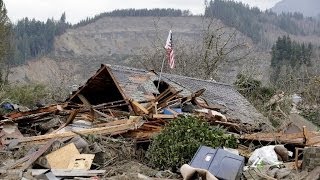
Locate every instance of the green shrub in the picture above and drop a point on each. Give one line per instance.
(26, 95)
(179, 141)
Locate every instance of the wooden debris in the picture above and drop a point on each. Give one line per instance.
(69, 120)
(294, 138)
(84, 100)
(304, 138)
(81, 161)
(138, 108)
(76, 173)
(61, 158)
(109, 129)
(20, 116)
(163, 116)
(37, 172)
(18, 162)
(36, 155)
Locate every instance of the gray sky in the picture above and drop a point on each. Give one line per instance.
(80, 9)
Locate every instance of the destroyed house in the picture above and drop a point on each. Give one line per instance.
(119, 84)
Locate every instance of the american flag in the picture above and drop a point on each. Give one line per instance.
(169, 48)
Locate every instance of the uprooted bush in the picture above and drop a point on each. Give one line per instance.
(179, 141)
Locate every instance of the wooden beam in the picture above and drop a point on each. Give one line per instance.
(24, 115)
(84, 100)
(294, 138)
(135, 104)
(76, 173)
(71, 117)
(19, 161)
(128, 125)
(39, 153)
(163, 116)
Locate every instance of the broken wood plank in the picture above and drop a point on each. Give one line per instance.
(16, 116)
(118, 122)
(61, 158)
(293, 138)
(31, 116)
(164, 102)
(163, 116)
(126, 126)
(114, 103)
(103, 114)
(138, 107)
(87, 104)
(76, 172)
(37, 172)
(41, 150)
(71, 117)
(19, 161)
(84, 100)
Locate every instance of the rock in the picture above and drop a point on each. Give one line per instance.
(282, 173)
(282, 152)
(314, 174)
(80, 143)
(272, 172)
(188, 108)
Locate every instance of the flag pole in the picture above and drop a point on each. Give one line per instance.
(168, 48)
(164, 58)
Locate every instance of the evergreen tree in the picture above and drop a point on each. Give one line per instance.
(5, 42)
(4, 30)
(286, 52)
(34, 38)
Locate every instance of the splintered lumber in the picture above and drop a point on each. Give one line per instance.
(312, 138)
(164, 102)
(84, 100)
(39, 153)
(69, 120)
(306, 138)
(119, 122)
(294, 138)
(87, 104)
(193, 96)
(108, 129)
(18, 116)
(76, 173)
(146, 131)
(163, 116)
(103, 114)
(111, 104)
(138, 107)
(164, 98)
(18, 162)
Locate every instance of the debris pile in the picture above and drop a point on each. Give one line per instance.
(84, 135)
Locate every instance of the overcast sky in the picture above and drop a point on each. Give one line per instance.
(80, 9)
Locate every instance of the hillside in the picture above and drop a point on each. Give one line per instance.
(138, 41)
(309, 8)
(118, 40)
(125, 35)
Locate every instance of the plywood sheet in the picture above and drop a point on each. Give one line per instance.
(81, 161)
(60, 158)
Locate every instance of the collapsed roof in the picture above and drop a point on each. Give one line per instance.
(116, 83)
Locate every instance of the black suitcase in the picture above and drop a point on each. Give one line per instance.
(221, 163)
